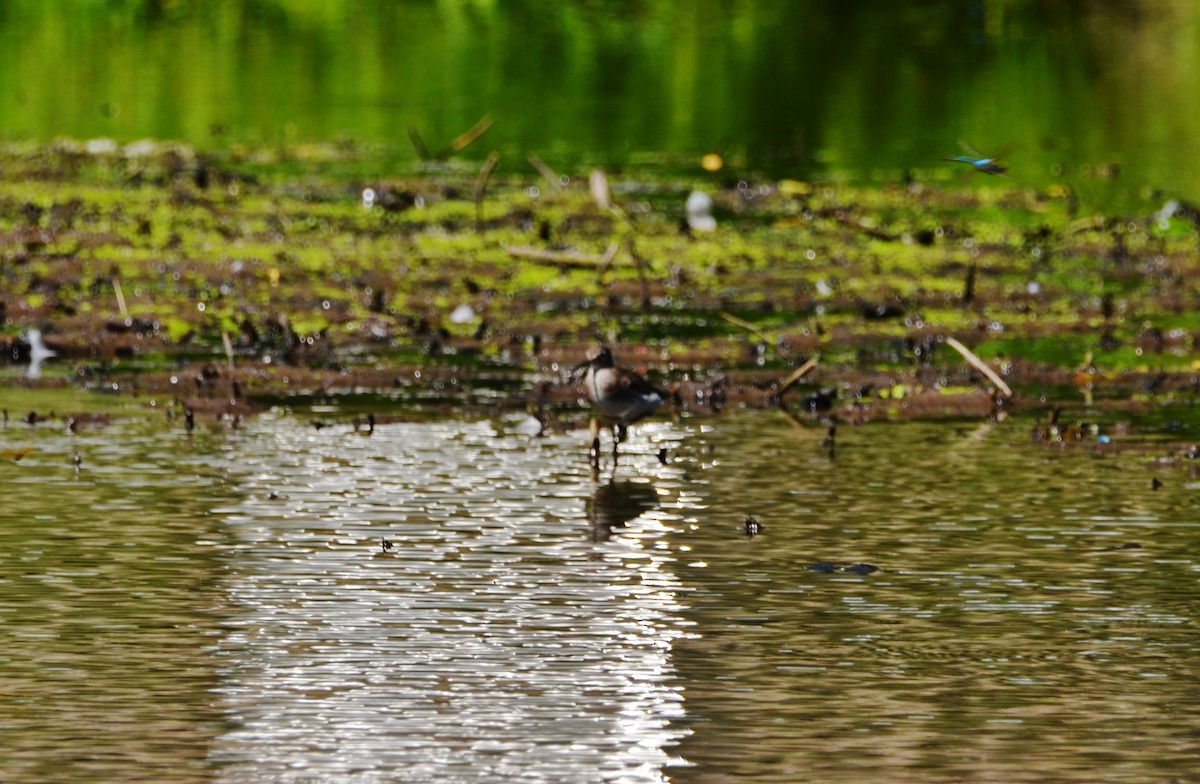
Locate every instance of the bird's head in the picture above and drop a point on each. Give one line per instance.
(598, 356)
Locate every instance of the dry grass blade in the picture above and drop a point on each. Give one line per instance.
(471, 135)
(481, 184)
(228, 347)
(600, 191)
(548, 174)
(418, 144)
(120, 297)
(640, 265)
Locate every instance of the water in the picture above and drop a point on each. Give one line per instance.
(221, 608)
(1099, 96)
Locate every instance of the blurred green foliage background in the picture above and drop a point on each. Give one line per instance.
(807, 88)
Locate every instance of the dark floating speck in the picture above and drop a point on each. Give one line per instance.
(753, 527)
(828, 568)
(386, 544)
(1155, 483)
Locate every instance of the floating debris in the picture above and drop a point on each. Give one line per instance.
(753, 527)
(463, 314)
(699, 212)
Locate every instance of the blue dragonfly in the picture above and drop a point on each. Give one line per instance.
(980, 162)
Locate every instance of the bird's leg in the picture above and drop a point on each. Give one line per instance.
(594, 451)
(617, 434)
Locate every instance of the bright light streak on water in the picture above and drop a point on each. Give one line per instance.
(496, 641)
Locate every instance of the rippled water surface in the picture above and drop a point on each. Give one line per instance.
(222, 607)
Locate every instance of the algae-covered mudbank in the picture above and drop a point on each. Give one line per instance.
(226, 281)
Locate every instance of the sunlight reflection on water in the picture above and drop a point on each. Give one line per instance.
(496, 640)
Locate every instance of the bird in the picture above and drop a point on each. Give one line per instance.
(980, 162)
(38, 353)
(619, 396)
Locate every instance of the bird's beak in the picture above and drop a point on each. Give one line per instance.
(578, 371)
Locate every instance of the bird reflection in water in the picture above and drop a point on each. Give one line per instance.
(615, 503)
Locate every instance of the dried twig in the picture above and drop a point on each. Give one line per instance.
(798, 374)
(732, 319)
(120, 297)
(979, 365)
(565, 258)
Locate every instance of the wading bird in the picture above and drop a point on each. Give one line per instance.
(619, 397)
